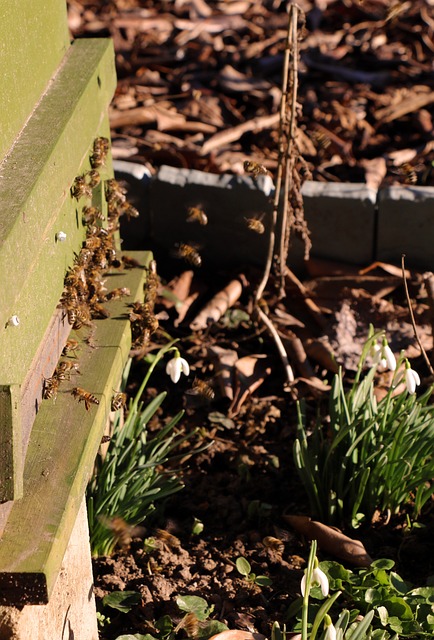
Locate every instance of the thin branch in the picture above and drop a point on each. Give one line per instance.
(281, 349)
(428, 363)
(280, 164)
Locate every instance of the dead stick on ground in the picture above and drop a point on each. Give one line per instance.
(428, 363)
(281, 349)
(428, 280)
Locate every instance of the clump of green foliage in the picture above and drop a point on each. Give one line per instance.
(369, 455)
(133, 474)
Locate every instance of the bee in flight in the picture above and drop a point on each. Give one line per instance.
(197, 214)
(189, 254)
(167, 539)
(255, 168)
(409, 172)
(84, 396)
(255, 225)
(122, 532)
(201, 388)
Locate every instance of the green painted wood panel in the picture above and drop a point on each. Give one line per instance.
(38, 529)
(37, 176)
(34, 38)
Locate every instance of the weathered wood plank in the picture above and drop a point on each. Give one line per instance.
(62, 449)
(36, 177)
(34, 39)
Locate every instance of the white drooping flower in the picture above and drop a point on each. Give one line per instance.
(412, 379)
(383, 355)
(330, 630)
(319, 578)
(176, 366)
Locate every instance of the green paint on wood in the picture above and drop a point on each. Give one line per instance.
(61, 454)
(33, 41)
(37, 176)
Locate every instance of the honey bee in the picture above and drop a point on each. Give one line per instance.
(80, 188)
(119, 401)
(93, 243)
(130, 263)
(114, 193)
(167, 539)
(189, 254)
(82, 317)
(275, 544)
(71, 346)
(100, 150)
(65, 368)
(93, 178)
(116, 294)
(255, 168)
(201, 388)
(51, 386)
(98, 311)
(84, 396)
(255, 225)
(196, 214)
(190, 624)
(91, 215)
(409, 172)
(129, 211)
(123, 533)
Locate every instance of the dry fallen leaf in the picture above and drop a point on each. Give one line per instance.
(250, 372)
(237, 634)
(331, 540)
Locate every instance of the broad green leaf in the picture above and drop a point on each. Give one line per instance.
(211, 628)
(196, 605)
(136, 636)
(263, 581)
(122, 600)
(164, 626)
(383, 563)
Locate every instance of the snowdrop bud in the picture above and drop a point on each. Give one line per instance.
(330, 630)
(383, 355)
(176, 366)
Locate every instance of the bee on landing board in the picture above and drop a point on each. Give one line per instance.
(51, 386)
(84, 396)
(80, 188)
(119, 401)
(255, 168)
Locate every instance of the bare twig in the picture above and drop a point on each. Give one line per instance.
(428, 363)
(281, 349)
(280, 166)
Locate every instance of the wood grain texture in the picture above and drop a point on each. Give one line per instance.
(61, 453)
(34, 39)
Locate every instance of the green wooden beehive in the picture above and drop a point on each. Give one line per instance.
(54, 103)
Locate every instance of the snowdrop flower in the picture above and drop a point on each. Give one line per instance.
(412, 379)
(383, 355)
(176, 366)
(330, 630)
(318, 577)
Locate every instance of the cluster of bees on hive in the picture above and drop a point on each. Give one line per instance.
(196, 214)
(84, 296)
